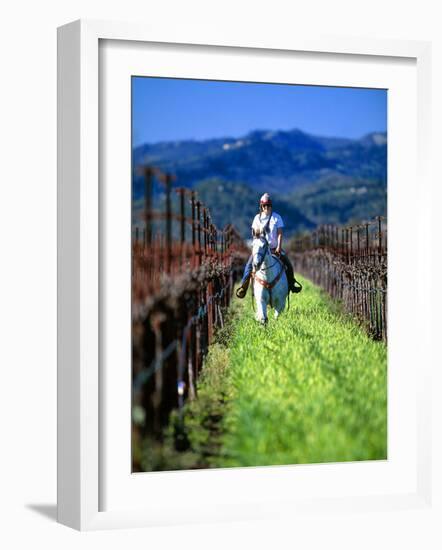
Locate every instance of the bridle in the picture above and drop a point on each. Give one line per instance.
(262, 254)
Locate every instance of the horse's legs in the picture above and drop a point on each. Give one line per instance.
(261, 306)
(280, 298)
(279, 308)
(261, 311)
(264, 313)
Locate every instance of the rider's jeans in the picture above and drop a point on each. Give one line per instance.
(247, 270)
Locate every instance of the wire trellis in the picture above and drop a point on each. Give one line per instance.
(350, 263)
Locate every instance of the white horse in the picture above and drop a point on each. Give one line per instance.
(270, 285)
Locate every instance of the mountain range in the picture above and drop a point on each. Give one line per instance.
(313, 179)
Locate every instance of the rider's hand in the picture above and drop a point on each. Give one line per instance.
(278, 251)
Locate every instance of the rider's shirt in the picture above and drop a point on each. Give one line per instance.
(275, 223)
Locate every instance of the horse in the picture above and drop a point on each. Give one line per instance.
(270, 285)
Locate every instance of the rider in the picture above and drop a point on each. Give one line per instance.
(270, 223)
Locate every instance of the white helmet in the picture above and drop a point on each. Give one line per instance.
(265, 199)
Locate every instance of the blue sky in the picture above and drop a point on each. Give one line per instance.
(166, 109)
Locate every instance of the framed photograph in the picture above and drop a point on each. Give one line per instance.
(233, 326)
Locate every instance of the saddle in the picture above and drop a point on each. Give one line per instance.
(297, 287)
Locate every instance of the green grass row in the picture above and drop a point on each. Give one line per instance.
(310, 387)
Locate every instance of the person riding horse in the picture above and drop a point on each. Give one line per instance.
(269, 224)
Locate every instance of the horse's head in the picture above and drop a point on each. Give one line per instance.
(260, 247)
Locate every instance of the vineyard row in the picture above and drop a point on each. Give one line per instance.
(182, 283)
(350, 263)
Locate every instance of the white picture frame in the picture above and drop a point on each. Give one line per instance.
(80, 442)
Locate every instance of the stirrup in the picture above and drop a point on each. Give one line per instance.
(241, 292)
(297, 287)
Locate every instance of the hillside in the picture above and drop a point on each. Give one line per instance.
(313, 179)
(232, 203)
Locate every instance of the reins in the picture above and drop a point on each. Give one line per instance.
(266, 284)
(266, 268)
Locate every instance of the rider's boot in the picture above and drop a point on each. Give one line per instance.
(290, 274)
(242, 290)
